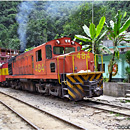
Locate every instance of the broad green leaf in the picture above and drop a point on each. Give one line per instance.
(83, 38)
(111, 35)
(125, 44)
(86, 30)
(118, 21)
(115, 29)
(80, 43)
(124, 14)
(105, 49)
(100, 26)
(127, 34)
(102, 36)
(89, 50)
(92, 30)
(125, 25)
(126, 39)
(86, 46)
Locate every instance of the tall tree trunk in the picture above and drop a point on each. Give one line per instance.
(111, 68)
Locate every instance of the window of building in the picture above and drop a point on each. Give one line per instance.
(2, 50)
(58, 50)
(69, 49)
(122, 49)
(48, 52)
(2, 58)
(39, 55)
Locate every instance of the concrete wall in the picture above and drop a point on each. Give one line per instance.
(115, 89)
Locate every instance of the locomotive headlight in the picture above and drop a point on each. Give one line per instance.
(72, 43)
(66, 41)
(58, 42)
(69, 41)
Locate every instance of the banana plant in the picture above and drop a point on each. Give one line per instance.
(93, 38)
(117, 33)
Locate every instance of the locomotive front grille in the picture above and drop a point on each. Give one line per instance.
(84, 84)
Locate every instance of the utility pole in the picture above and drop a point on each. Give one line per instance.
(92, 22)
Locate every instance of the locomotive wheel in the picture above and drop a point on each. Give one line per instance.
(42, 89)
(23, 86)
(19, 86)
(54, 90)
(12, 83)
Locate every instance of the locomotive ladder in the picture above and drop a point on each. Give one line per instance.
(64, 86)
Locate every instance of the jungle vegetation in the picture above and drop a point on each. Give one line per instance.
(52, 19)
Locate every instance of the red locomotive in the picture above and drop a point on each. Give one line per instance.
(57, 67)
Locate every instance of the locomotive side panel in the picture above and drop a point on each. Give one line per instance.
(51, 68)
(22, 64)
(39, 60)
(79, 61)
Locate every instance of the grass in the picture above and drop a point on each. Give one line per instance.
(117, 115)
(127, 101)
(111, 112)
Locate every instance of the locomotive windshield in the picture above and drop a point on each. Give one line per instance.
(61, 50)
(58, 50)
(69, 49)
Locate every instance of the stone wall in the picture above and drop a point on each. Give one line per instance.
(115, 89)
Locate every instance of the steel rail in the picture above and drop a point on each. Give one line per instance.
(27, 121)
(104, 109)
(48, 113)
(100, 102)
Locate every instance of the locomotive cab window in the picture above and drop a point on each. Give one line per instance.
(39, 55)
(48, 52)
(78, 48)
(58, 50)
(69, 49)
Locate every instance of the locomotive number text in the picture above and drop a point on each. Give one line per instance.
(39, 68)
(82, 55)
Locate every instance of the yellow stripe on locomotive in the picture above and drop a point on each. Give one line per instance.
(84, 85)
(4, 71)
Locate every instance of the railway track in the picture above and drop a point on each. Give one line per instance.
(36, 117)
(23, 118)
(125, 111)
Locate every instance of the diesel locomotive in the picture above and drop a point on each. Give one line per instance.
(58, 67)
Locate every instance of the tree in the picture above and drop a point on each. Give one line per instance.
(94, 36)
(117, 34)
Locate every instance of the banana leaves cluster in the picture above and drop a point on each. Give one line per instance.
(115, 30)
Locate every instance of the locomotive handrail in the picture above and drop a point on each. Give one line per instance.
(101, 60)
(58, 70)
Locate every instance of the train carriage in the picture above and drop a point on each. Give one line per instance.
(58, 67)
